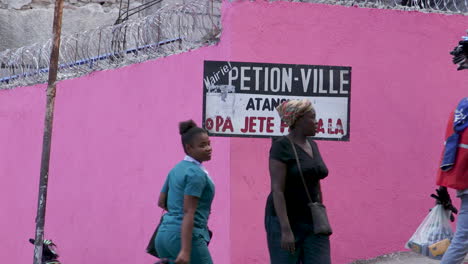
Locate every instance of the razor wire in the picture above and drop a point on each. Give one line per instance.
(171, 29)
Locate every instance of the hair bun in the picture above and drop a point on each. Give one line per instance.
(185, 126)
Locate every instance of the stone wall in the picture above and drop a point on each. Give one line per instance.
(24, 22)
(31, 4)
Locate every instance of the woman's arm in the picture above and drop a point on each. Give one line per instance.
(162, 201)
(190, 206)
(278, 183)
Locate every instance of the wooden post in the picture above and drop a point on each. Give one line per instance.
(46, 143)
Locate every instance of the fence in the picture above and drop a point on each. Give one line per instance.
(171, 29)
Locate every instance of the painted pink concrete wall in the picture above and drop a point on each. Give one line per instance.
(403, 87)
(115, 137)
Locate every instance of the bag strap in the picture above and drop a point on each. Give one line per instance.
(319, 195)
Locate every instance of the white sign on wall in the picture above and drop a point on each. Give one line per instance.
(240, 97)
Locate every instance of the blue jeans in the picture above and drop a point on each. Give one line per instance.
(310, 248)
(459, 247)
(168, 245)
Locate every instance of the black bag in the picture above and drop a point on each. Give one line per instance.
(321, 225)
(151, 249)
(320, 219)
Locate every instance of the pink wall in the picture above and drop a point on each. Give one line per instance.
(115, 137)
(403, 87)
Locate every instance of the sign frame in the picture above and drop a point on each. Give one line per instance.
(345, 138)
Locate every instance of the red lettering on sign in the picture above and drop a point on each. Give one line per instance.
(339, 127)
(219, 123)
(252, 124)
(262, 120)
(209, 123)
(270, 124)
(260, 124)
(330, 127)
(320, 128)
(246, 125)
(228, 125)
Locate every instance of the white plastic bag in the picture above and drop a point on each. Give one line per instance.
(433, 236)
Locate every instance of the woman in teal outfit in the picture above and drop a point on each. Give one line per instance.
(187, 195)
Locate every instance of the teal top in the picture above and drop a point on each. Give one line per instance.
(188, 178)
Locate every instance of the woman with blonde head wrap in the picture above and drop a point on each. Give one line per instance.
(288, 221)
(290, 111)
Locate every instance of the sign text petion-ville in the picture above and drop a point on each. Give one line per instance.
(240, 97)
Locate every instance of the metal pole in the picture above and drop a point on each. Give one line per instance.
(46, 143)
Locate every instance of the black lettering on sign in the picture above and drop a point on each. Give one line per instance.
(280, 79)
(264, 104)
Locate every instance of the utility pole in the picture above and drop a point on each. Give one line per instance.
(46, 143)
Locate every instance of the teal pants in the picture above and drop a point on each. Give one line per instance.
(168, 245)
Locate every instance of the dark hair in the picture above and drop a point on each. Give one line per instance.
(188, 130)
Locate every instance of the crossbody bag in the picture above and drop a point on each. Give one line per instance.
(321, 225)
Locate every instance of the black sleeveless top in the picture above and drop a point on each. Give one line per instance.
(313, 169)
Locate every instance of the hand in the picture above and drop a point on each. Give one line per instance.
(443, 198)
(183, 257)
(287, 241)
